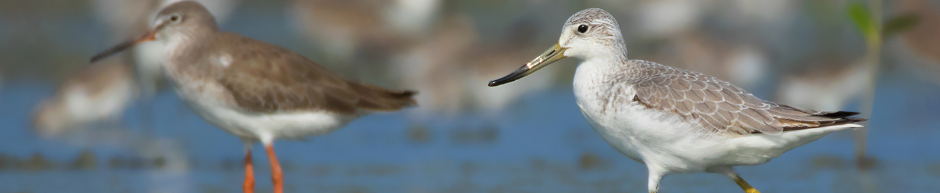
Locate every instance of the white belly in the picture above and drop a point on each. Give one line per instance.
(270, 126)
(649, 137)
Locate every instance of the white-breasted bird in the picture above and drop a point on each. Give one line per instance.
(674, 120)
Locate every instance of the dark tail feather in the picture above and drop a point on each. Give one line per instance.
(836, 115)
(404, 98)
(835, 118)
(842, 117)
(374, 98)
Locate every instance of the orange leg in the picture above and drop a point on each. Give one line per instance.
(276, 174)
(249, 185)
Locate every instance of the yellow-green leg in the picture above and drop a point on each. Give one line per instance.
(656, 173)
(744, 185)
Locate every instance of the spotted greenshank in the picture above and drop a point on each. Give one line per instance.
(674, 120)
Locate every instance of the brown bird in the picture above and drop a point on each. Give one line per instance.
(350, 27)
(255, 90)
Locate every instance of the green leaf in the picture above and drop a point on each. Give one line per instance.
(863, 21)
(899, 24)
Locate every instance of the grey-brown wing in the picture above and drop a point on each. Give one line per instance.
(722, 108)
(266, 78)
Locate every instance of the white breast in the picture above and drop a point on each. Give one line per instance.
(646, 135)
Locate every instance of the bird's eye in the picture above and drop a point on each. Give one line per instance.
(175, 18)
(582, 28)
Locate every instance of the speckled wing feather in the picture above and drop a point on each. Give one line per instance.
(720, 107)
(266, 78)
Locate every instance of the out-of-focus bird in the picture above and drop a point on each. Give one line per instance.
(738, 62)
(433, 66)
(828, 86)
(922, 38)
(677, 26)
(664, 18)
(99, 93)
(667, 17)
(920, 47)
(446, 66)
(350, 26)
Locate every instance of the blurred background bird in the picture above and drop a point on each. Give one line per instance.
(362, 33)
(99, 93)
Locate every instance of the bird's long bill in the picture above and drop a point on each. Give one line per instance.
(551, 55)
(149, 36)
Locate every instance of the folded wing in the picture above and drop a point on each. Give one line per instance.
(720, 107)
(286, 81)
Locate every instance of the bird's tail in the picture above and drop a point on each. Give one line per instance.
(374, 98)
